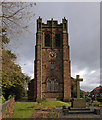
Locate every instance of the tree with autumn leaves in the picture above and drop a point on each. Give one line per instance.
(13, 79)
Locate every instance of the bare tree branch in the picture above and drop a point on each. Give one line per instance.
(6, 16)
(15, 17)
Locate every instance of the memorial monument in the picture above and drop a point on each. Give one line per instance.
(78, 102)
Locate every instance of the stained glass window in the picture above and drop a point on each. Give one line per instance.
(55, 85)
(52, 85)
(49, 86)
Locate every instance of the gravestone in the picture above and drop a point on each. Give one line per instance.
(78, 102)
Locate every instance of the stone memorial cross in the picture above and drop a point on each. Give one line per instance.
(78, 85)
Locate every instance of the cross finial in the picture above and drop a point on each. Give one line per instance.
(77, 76)
(78, 85)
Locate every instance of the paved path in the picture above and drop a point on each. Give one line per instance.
(38, 115)
(80, 116)
(42, 114)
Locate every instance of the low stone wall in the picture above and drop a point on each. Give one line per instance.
(8, 108)
(51, 99)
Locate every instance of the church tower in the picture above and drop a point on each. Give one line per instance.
(52, 78)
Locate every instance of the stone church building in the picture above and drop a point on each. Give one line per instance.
(52, 74)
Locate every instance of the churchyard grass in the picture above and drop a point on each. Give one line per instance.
(25, 110)
(100, 105)
(55, 103)
(52, 104)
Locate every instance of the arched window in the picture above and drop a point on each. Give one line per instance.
(55, 85)
(52, 85)
(49, 85)
(57, 40)
(47, 40)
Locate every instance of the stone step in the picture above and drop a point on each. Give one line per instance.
(80, 112)
(79, 109)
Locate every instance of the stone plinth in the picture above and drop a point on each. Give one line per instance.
(79, 103)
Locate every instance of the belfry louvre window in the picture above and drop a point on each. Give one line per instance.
(57, 40)
(47, 40)
(40, 26)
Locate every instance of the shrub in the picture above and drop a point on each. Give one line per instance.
(60, 99)
(41, 100)
(99, 99)
(9, 97)
(100, 105)
(89, 104)
(2, 99)
(96, 104)
(17, 91)
(87, 98)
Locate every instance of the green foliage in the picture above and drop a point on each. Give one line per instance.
(100, 105)
(5, 39)
(89, 104)
(2, 99)
(41, 100)
(99, 99)
(52, 104)
(17, 91)
(87, 98)
(96, 104)
(12, 78)
(81, 94)
(44, 99)
(60, 99)
(9, 97)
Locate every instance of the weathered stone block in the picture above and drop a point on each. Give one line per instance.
(79, 103)
(97, 111)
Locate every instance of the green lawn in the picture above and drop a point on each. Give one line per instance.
(25, 110)
(55, 103)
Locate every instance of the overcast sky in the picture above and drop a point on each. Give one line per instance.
(84, 39)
